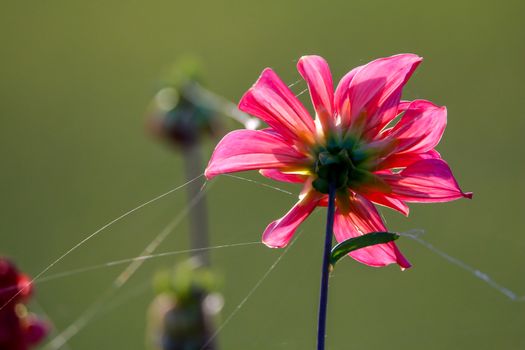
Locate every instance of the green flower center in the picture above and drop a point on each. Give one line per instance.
(341, 162)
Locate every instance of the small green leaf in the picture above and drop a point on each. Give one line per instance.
(373, 238)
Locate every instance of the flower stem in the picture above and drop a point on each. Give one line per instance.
(198, 213)
(325, 272)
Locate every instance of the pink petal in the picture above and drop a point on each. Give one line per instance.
(315, 70)
(276, 174)
(403, 160)
(364, 218)
(420, 128)
(242, 150)
(375, 90)
(403, 106)
(279, 232)
(387, 201)
(273, 102)
(341, 101)
(425, 181)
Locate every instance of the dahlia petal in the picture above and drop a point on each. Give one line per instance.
(273, 102)
(316, 72)
(341, 101)
(279, 232)
(276, 174)
(420, 128)
(425, 181)
(384, 114)
(242, 150)
(387, 201)
(364, 218)
(375, 90)
(402, 160)
(403, 106)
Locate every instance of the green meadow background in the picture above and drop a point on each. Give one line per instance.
(76, 78)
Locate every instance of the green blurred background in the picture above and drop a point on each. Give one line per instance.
(75, 80)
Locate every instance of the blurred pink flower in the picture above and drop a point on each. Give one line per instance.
(380, 148)
(19, 329)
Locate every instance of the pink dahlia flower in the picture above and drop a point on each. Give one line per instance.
(354, 140)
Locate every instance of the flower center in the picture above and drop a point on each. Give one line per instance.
(339, 162)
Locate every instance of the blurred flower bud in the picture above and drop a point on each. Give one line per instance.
(181, 316)
(178, 112)
(19, 329)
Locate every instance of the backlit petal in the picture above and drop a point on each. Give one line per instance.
(276, 174)
(341, 101)
(279, 232)
(316, 72)
(420, 128)
(425, 181)
(403, 160)
(364, 218)
(242, 150)
(387, 201)
(273, 102)
(375, 90)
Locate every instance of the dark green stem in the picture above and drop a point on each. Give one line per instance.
(325, 272)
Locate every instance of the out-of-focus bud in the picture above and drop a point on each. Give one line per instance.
(178, 113)
(19, 329)
(181, 316)
(183, 110)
